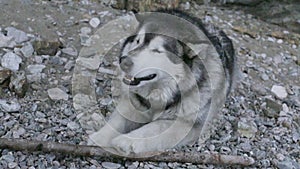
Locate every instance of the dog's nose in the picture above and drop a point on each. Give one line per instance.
(125, 62)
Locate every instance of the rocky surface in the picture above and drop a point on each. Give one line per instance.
(41, 40)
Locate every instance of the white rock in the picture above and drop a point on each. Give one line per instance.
(285, 108)
(11, 61)
(187, 6)
(280, 41)
(279, 91)
(9, 106)
(34, 69)
(94, 22)
(271, 39)
(57, 94)
(27, 50)
(263, 55)
(18, 35)
(6, 41)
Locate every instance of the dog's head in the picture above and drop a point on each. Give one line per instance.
(155, 57)
(149, 58)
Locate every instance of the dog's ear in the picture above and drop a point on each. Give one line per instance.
(191, 50)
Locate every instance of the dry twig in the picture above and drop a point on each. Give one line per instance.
(82, 150)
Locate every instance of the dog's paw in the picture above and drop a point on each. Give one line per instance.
(126, 145)
(100, 140)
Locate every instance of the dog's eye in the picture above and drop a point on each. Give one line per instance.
(156, 51)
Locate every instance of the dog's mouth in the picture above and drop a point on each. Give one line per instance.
(133, 81)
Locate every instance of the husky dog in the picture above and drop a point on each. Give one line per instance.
(176, 75)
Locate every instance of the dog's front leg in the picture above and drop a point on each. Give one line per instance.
(114, 127)
(155, 136)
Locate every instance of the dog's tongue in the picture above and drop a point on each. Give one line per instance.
(130, 80)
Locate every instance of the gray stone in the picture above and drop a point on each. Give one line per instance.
(34, 69)
(9, 106)
(85, 40)
(12, 165)
(6, 41)
(47, 47)
(19, 132)
(279, 91)
(247, 128)
(73, 125)
(85, 30)
(70, 51)
(94, 22)
(18, 83)
(69, 65)
(265, 77)
(4, 75)
(18, 35)
(34, 78)
(27, 50)
(110, 165)
(288, 164)
(57, 94)
(11, 61)
(8, 158)
(107, 71)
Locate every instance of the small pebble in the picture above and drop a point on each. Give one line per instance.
(265, 77)
(94, 22)
(110, 165)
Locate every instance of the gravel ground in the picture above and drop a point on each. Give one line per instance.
(41, 40)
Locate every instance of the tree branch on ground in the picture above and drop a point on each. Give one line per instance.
(93, 151)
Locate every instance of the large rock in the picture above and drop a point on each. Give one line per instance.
(9, 106)
(11, 61)
(4, 76)
(279, 91)
(44, 47)
(18, 83)
(19, 36)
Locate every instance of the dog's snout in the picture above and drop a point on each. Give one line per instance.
(125, 62)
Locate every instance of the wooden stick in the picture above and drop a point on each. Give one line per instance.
(83, 150)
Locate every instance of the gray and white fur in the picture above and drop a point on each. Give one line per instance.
(176, 75)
